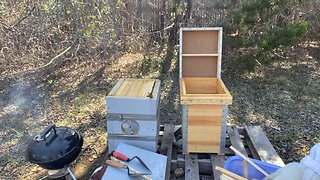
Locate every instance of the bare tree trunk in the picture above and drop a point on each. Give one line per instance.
(163, 11)
(188, 10)
(125, 12)
(139, 14)
(115, 21)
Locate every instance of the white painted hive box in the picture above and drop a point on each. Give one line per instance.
(133, 113)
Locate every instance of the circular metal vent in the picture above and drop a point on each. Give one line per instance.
(130, 127)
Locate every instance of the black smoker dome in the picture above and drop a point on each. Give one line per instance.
(55, 147)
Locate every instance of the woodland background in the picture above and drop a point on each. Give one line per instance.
(59, 58)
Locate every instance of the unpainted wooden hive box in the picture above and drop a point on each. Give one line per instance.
(133, 113)
(203, 95)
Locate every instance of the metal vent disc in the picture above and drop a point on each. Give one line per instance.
(130, 127)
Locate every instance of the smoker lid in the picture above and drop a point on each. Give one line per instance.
(52, 144)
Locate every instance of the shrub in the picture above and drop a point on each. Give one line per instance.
(264, 26)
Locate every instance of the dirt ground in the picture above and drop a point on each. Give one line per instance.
(283, 98)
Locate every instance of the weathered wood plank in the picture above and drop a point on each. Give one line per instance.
(228, 142)
(205, 177)
(236, 140)
(263, 146)
(175, 148)
(217, 160)
(166, 146)
(241, 130)
(204, 165)
(191, 167)
(252, 149)
(174, 158)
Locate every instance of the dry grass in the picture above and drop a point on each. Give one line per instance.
(283, 98)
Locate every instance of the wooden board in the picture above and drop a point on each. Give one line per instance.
(216, 160)
(200, 42)
(166, 146)
(202, 66)
(208, 99)
(204, 128)
(204, 165)
(263, 145)
(236, 139)
(192, 167)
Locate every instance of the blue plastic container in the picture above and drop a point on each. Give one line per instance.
(234, 164)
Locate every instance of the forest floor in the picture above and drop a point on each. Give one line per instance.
(283, 98)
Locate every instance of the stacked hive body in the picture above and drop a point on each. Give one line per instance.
(133, 113)
(203, 95)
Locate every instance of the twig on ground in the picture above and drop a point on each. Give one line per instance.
(57, 56)
(23, 18)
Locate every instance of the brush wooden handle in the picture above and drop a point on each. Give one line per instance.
(115, 164)
(229, 173)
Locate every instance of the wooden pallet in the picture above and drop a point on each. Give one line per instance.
(250, 140)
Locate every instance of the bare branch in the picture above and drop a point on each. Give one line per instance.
(57, 56)
(23, 18)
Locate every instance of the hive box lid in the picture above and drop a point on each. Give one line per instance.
(135, 88)
(200, 52)
(134, 96)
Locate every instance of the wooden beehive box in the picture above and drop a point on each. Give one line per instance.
(133, 113)
(203, 95)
